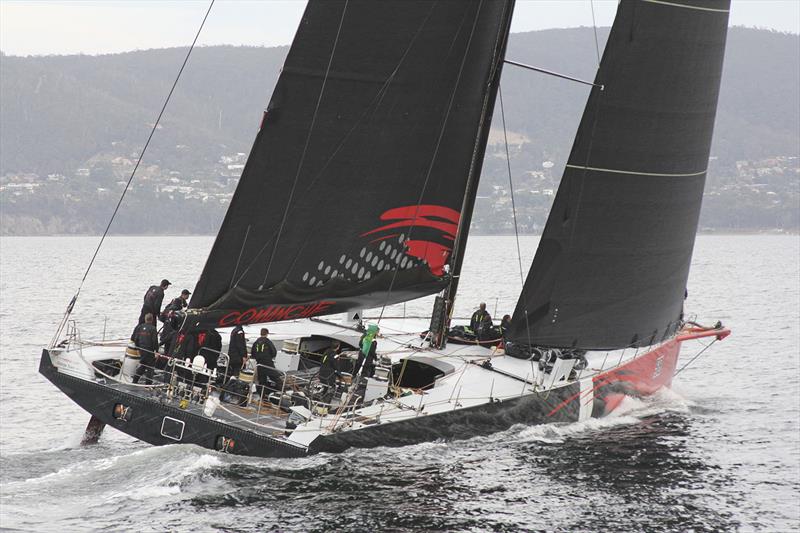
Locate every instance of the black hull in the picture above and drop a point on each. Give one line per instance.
(485, 419)
(148, 414)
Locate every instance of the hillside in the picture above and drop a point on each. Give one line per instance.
(70, 125)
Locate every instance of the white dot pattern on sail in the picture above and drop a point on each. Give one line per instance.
(327, 270)
(348, 264)
(382, 245)
(341, 259)
(305, 276)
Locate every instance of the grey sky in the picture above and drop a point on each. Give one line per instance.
(92, 27)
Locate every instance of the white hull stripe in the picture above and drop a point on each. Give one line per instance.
(586, 399)
(636, 173)
(663, 2)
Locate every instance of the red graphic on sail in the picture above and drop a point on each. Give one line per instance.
(436, 217)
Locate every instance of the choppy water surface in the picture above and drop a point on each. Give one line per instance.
(720, 452)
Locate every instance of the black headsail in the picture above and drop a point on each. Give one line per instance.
(612, 264)
(352, 193)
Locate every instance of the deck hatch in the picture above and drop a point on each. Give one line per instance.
(172, 428)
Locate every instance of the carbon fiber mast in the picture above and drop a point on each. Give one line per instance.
(444, 304)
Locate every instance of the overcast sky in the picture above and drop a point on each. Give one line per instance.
(93, 27)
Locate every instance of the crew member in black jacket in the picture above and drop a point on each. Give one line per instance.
(481, 323)
(211, 348)
(152, 300)
(264, 351)
(327, 371)
(168, 330)
(145, 337)
(237, 351)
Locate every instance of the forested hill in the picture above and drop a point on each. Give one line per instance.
(70, 125)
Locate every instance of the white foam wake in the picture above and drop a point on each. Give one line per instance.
(630, 411)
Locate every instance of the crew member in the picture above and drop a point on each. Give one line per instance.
(327, 372)
(264, 351)
(211, 348)
(366, 353)
(237, 351)
(481, 322)
(504, 325)
(167, 315)
(146, 339)
(176, 304)
(185, 346)
(152, 300)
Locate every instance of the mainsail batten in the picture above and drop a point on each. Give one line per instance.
(613, 260)
(381, 186)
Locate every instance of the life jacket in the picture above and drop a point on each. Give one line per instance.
(261, 351)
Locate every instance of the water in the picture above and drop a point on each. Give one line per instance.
(721, 452)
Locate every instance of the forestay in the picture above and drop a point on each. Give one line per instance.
(353, 191)
(613, 261)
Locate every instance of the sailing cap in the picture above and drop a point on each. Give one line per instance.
(165, 282)
(186, 292)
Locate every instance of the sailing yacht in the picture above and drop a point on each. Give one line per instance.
(358, 194)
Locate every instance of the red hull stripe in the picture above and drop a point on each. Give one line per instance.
(646, 373)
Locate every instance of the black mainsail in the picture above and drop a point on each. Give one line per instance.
(613, 260)
(353, 191)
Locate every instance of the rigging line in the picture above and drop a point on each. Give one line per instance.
(638, 173)
(511, 184)
(436, 148)
(146, 144)
(692, 360)
(686, 6)
(369, 111)
(552, 73)
(238, 260)
(594, 27)
(514, 210)
(376, 100)
(308, 141)
(468, 202)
